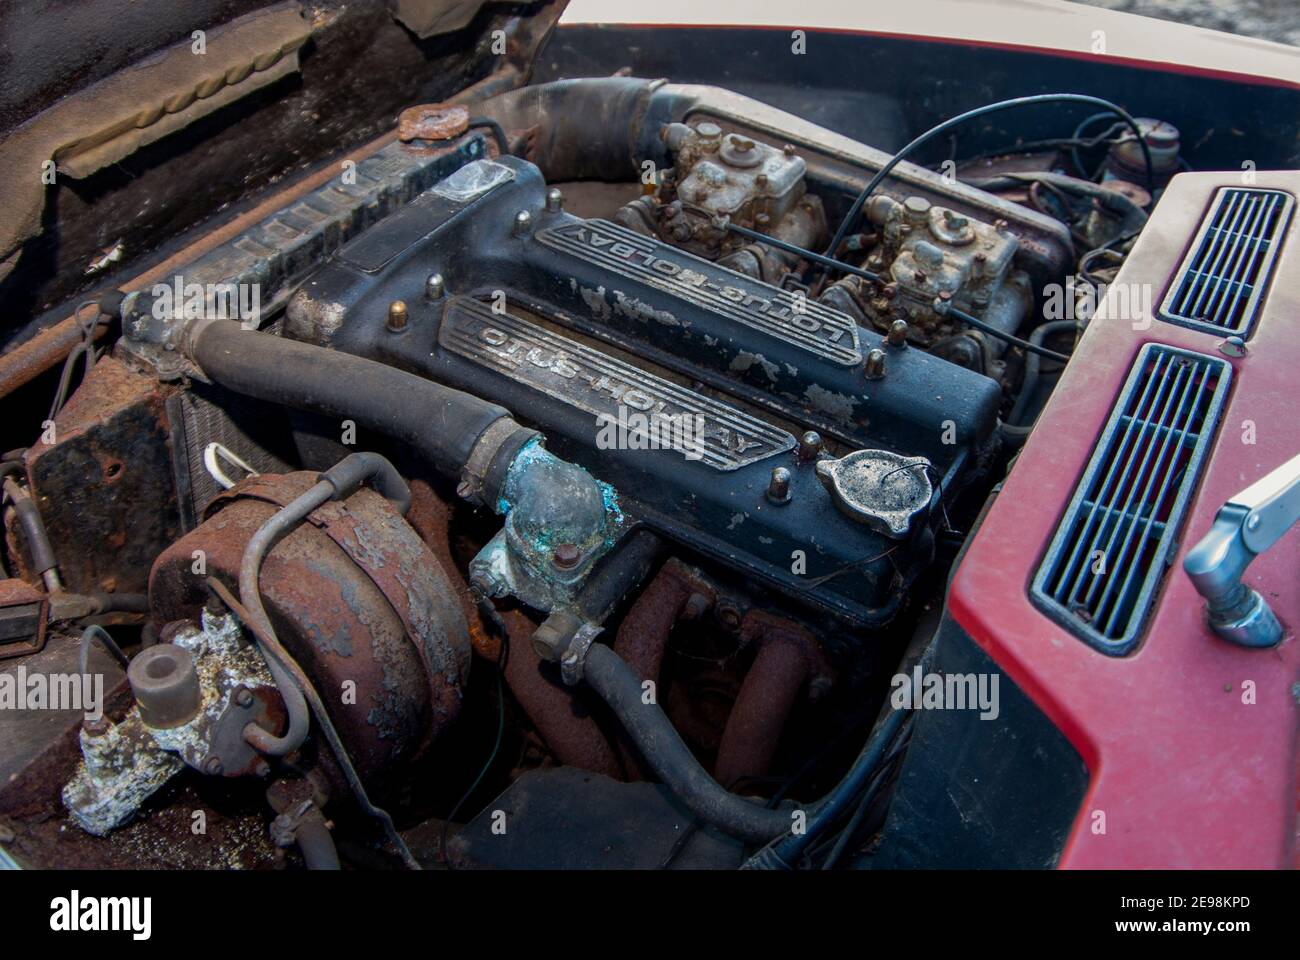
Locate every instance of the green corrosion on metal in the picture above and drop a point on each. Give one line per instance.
(612, 509)
(528, 456)
(532, 456)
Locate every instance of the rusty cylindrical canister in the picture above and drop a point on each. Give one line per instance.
(356, 597)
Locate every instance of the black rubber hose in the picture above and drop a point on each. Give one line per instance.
(1032, 365)
(672, 761)
(315, 842)
(670, 758)
(618, 574)
(356, 468)
(120, 602)
(441, 423)
(589, 128)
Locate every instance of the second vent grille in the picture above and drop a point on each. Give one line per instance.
(1224, 276)
(1110, 552)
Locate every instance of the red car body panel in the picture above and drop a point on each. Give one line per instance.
(1185, 773)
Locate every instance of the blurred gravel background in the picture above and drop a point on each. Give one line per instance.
(1277, 20)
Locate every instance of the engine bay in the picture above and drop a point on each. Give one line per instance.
(572, 480)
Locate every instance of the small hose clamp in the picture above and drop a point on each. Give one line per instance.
(284, 828)
(575, 654)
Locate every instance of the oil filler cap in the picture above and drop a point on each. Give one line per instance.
(879, 488)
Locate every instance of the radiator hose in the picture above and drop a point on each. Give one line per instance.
(443, 424)
(788, 832)
(670, 758)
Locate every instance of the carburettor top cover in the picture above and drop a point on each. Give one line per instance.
(719, 178)
(722, 174)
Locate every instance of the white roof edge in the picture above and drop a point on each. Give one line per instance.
(1039, 24)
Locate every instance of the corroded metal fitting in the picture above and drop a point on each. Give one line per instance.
(165, 685)
(432, 121)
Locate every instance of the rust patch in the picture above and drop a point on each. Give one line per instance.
(105, 487)
(432, 121)
(356, 598)
(789, 658)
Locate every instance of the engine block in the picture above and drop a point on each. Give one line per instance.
(610, 341)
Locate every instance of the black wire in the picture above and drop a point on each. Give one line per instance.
(88, 636)
(1085, 264)
(851, 217)
(496, 748)
(83, 349)
(868, 796)
(497, 133)
(945, 309)
(938, 498)
(1084, 124)
(806, 254)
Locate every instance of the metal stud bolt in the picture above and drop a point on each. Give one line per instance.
(778, 489)
(898, 333)
(810, 445)
(875, 366)
(397, 316)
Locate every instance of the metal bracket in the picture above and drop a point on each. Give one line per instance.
(213, 457)
(1247, 525)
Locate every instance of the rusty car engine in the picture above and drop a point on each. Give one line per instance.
(568, 460)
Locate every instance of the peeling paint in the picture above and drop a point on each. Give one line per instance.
(744, 360)
(639, 310)
(838, 405)
(596, 302)
(313, 321)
